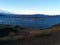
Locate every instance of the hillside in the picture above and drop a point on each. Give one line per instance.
(33, 39)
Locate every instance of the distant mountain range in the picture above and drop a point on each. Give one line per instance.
(43, 21)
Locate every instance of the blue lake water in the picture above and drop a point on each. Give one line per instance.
(43, 22)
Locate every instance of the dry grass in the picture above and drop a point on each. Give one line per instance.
(31, 34)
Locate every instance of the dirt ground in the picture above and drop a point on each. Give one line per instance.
(53, 39)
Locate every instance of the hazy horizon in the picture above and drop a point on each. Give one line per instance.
(49, 7)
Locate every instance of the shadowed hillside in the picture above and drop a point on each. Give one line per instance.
(5, 30)
(25, 36)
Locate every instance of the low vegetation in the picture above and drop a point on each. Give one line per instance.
(9, 32)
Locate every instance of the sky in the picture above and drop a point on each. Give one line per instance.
(51, 7)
